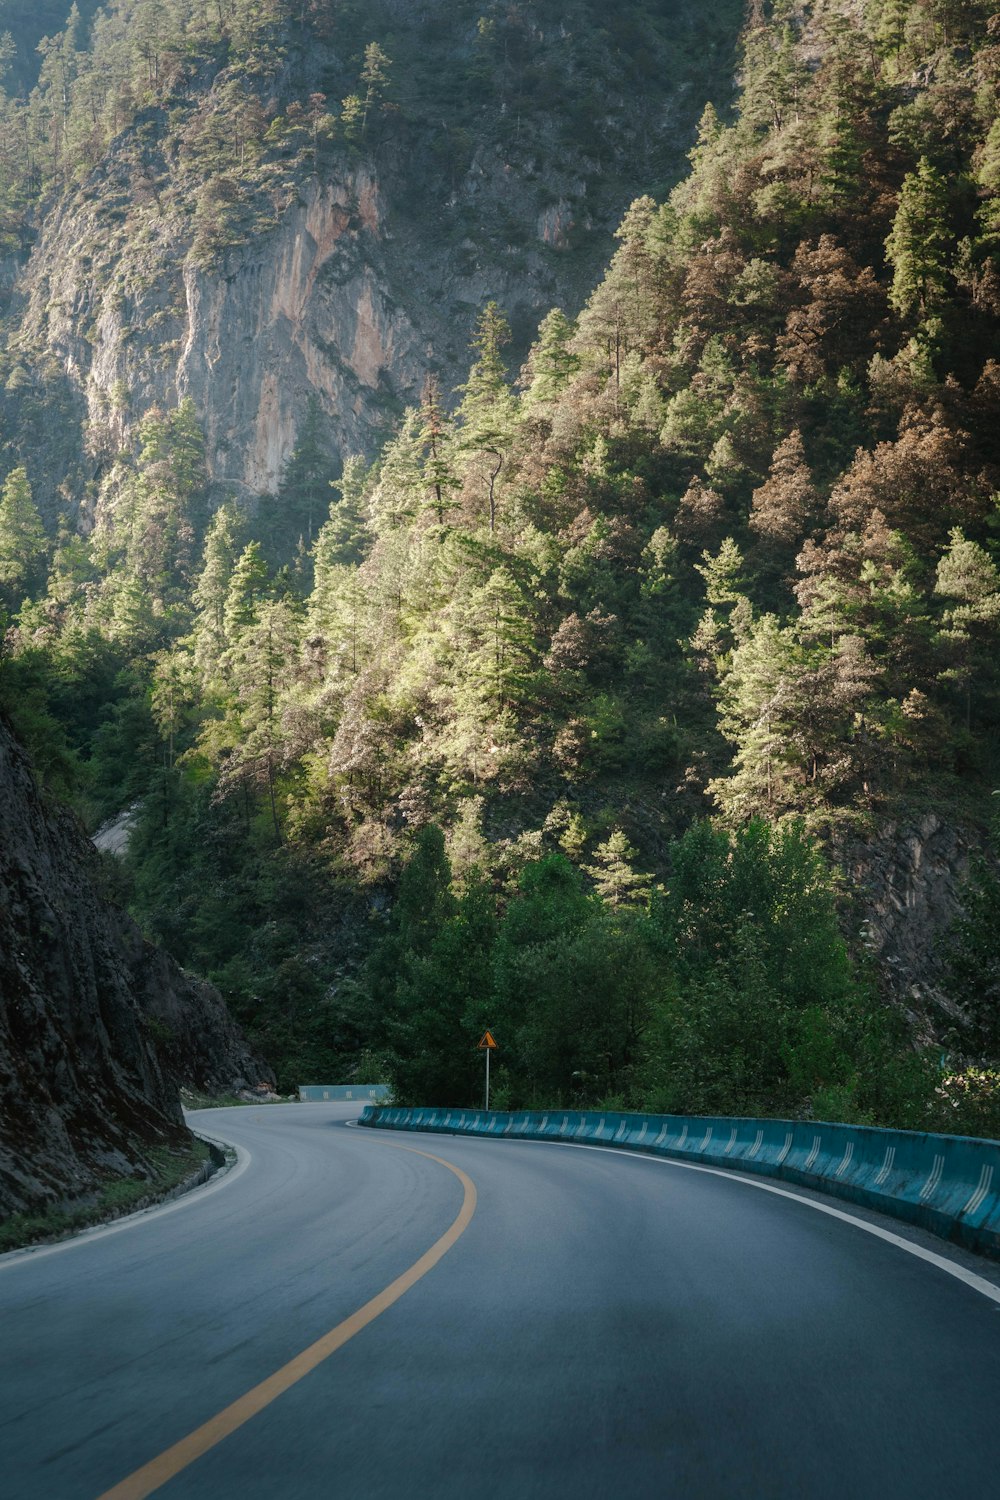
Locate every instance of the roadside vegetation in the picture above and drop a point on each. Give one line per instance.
(170, 1169)
(548, 717)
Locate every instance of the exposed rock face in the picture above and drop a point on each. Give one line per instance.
(906, 885)
(339, 301)
(84, 1087)
(358, 271)
(310, 311)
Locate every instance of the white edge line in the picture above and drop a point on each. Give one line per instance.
(952, 1268)
(219, 1179)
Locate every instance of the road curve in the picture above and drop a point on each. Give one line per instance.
(600, 1325)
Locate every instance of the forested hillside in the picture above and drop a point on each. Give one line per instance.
(438, 746)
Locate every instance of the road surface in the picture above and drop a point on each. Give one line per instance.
(588, 1324)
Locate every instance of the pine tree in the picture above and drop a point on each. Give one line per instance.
(374, 79)
(22, 536)
(551, 363)
(358, 106)
(613, 872)
(968, 576)
(497, 618)
(247, 589)
(486, 414)
(399, 477)
(261, 665)
(753, 716)
(782, 506)
(210, 591)
(919, 243)
(173, 695)
(437, 440)
(304, 495)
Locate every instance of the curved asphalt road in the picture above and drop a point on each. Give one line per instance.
(605, 1325)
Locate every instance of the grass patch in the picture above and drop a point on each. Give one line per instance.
(121, 1196)
(192, 1100)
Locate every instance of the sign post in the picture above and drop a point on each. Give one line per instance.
(487, 1045)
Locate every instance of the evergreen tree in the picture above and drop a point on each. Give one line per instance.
(248, 587)
(486, 412)
(437, 440)
(304, 496)
(617, 881)
(919, 244)
(212, 588)
(260, 664)
(551, 363)
(968, 577)
(782, 506)
(22, 537)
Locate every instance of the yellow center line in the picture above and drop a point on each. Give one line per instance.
(176, 1458)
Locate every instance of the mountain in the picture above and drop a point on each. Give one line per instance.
(258, 206)
(631, 636)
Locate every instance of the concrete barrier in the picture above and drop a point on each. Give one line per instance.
(949, 1184)
(316, 1093)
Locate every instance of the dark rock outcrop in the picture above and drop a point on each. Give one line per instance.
(905, 884)
(97, 1027)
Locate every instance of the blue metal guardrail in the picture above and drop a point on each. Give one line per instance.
(316, 1093)
(949, 1184)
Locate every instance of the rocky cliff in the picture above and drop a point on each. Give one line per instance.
(499, 169)
(96, 1026)
(905, 887)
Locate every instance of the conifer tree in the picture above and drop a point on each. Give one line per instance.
(261, 666)
(22, 535)
(247, 589)
(918, 244)
(753, 717)
(781, 507)
(399, 477)
(551, 363)
(211, 589)
(968, 577)
(613, 872)
(437, 439)
(486, 412)
(304, 495)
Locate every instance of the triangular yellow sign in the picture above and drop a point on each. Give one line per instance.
(487, 1043)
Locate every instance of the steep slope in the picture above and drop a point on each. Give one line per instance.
(726, 548)
(96, 1026)
(245, 241)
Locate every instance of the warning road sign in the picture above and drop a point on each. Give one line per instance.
(487, 1044)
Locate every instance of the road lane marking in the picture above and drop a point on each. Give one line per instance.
(180, 1455)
